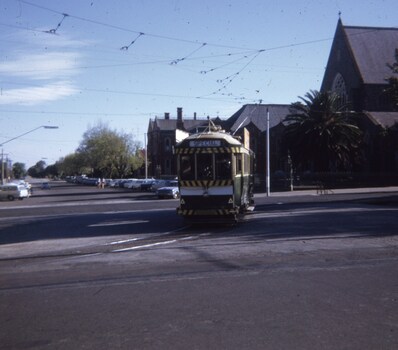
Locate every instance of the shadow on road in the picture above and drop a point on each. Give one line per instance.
(358, 218)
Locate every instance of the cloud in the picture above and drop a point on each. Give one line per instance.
(37, 94)
(46, 65)
(41, 66)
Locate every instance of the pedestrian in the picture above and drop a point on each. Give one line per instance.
(99, 183)
(103, 183)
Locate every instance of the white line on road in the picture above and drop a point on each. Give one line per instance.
(116, 223)
(144, 246)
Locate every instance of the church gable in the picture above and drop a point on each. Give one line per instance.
(357, 67)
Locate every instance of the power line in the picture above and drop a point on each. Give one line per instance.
(127, 29)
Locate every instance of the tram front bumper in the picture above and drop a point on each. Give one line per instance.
(207, 206)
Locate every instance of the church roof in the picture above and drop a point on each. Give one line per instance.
(373, 48)
(384, 119)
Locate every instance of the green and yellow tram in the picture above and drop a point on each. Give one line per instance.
(215, 177)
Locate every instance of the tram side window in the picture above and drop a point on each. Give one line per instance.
(223, 166)
(204, 163)
(246, 169)
(238, 164)
(187, 170)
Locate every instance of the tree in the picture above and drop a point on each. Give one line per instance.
(51, 171)
(72, 164)
(392, 89)
(19, 170)
(38, 169)
(109, 153)
(321, 132)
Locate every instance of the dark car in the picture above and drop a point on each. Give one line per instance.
(45, 186)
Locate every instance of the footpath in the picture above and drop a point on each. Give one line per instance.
(317, 192)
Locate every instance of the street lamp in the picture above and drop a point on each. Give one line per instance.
(17, 137)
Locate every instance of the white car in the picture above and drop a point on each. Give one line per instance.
(133, 184)
(13, 191)
(129, 183)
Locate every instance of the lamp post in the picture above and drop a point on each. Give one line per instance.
(17, 137)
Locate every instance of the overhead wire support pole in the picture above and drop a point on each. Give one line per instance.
(2, 166)
(146, 156)
(268, 160)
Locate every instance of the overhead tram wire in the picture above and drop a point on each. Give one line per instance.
(228, 79)
(180, 39)
(130, 30)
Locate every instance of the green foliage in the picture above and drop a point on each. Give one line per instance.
(103, 152)
(19, 170)
(51, 171)
(320, 132)
(38, 170)
(72, 164)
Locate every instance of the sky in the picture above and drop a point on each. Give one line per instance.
(76, 64)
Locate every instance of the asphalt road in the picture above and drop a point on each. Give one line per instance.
(88, 269)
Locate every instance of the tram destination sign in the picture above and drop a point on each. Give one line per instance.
(205, 143)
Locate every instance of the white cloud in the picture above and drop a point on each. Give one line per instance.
(37, 94)
(41, 66)
(46, 65)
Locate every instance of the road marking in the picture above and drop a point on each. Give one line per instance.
(117, 223)
(123, 241)
(144, 246)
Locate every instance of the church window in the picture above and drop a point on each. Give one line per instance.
(339, 88)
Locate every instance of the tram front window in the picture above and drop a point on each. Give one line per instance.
(223, 166)
(204, 163)
(187, 167)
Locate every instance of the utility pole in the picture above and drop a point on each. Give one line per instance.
(268, 160)
(146, 157)
(2, 165)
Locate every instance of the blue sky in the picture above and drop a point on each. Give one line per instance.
(77, 63)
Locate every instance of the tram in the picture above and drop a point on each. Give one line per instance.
(215, 176)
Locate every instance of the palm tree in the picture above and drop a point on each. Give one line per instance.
(320, 132)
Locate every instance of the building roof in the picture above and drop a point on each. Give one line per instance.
(171, 124)
(257, 114)
(384, 119)
(373, 48)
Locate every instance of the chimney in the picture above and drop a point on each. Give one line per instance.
(194, 116)
(180, 122)
(167, 116)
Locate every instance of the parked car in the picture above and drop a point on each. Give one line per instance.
(133, 184)
(163, 183)
(45, 186)
(147, 184)
(13, 191)
(128, 183)
(168, 191)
